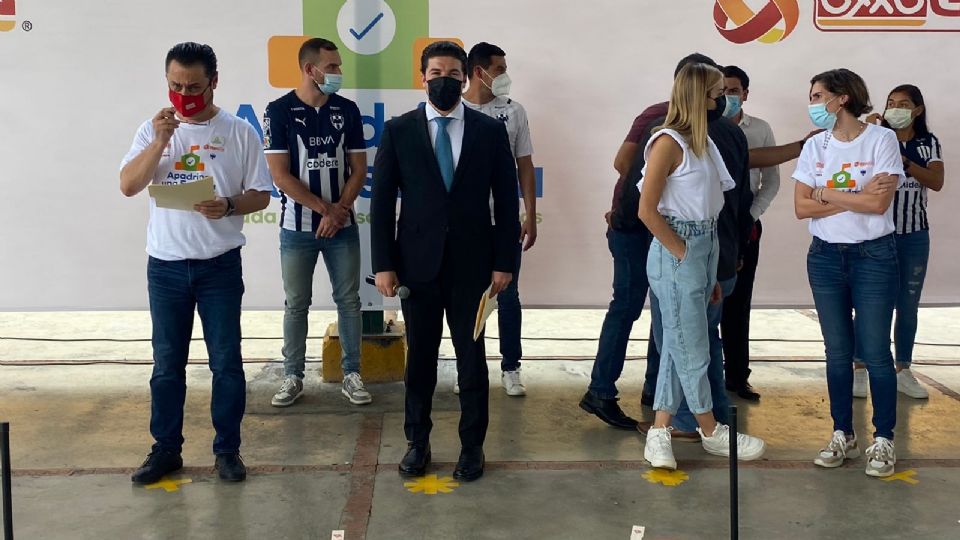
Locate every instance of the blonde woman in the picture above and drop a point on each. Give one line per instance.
(681, 195)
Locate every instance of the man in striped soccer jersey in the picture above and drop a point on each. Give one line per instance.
(315, 148)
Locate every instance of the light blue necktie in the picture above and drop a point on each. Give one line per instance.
(444, 150)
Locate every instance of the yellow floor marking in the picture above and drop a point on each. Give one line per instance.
(431, 485)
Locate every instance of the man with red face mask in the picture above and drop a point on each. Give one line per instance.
(194, 256)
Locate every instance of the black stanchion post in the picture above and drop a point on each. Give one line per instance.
(734, 495)
(7, 481)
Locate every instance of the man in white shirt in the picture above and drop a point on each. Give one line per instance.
(489, 86)
(764, 183)
(194, 256)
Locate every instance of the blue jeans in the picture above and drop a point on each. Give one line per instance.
(683, 291)
(298, 259)
(913, 253)
(215, 288)
(629, 250)
(861, 278)
(684, 421)
(510, 319)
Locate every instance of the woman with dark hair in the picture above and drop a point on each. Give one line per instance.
(846, 180)
(906, 113)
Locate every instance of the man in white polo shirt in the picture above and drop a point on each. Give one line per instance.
(194, 256)
(764, 183)
(487, 93)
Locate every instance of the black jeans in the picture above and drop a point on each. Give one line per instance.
(735, 324)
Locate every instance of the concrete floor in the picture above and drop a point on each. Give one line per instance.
(553, 472)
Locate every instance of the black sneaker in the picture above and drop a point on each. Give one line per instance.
(607, 410)
(230, 467)
(158, 464)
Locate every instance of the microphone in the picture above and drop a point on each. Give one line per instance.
(402, 291)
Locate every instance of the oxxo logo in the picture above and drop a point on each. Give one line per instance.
(737, 22)
(8, 9)
(888, 15)
(379, 41)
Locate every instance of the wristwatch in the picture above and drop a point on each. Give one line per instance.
(231, 208)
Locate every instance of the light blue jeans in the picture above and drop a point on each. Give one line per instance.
(683, 291)
(298, 258)
(684, 420)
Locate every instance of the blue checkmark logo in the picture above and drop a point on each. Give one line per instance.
(368, 28)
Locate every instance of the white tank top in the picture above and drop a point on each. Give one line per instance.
(694, 191)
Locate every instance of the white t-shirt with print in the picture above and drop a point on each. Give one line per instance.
(227, 148)
(694, 191)
(849, 166)
(514, 117)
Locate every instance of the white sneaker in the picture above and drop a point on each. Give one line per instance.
(511, 383)
(354, 390)
(290, 391)
(909, 385)
(839, 449)
(881, 458)
(748, 448)
(861, 380)
(658, 450)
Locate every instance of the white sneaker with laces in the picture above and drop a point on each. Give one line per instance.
(658, 450)
(511, 383)
(861, 381)
(748, 448)
(908, 385)
(839, 449)
(290, 391)
(881, 458)
(354, 390)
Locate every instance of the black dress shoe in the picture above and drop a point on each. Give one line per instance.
(415, 461)
(744, 391)
(470, 465)
(231, 467)
(607, 410)
(158, 464)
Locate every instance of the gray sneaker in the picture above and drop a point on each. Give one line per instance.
(354, 390)
(289, 392)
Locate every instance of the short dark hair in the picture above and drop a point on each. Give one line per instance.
(443, 48)
(695, 58)
(845, 82)
(920, 122)
(482, 55)
(312, 47)
(735, 72)
(190, 54)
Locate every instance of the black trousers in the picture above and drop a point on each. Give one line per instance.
(735, 324)
(456, 291)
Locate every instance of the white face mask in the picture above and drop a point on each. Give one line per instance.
(500, 85)
(898, 118)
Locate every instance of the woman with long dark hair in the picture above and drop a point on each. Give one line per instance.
(906, 113)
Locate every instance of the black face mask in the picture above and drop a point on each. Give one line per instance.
(717, 113)
(444, 92)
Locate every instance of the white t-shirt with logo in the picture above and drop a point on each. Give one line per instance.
(514, 117)
(849, 166)
(227, 148)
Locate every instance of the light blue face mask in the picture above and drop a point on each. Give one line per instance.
(733, 106)
(821, 117)
(331, 83)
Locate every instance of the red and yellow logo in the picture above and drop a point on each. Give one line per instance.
(773, 23)
(8, 8)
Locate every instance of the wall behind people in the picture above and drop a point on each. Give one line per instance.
(75, 83)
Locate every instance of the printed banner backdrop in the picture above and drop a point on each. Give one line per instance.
(79, 77)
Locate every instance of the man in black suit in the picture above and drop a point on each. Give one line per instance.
(446, 160)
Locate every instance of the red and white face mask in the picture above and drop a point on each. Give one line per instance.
(188, 106)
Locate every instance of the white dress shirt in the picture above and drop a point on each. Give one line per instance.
(454, 128)
(765, 182)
